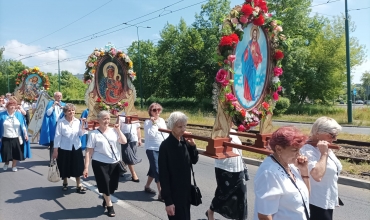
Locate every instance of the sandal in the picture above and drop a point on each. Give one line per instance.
(111, 212)
(81, 190)
(149, 190)
(65, 187)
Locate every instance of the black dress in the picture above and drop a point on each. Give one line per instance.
(175, 176)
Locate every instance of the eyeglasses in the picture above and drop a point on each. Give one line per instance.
(334, 136)
(156, 109)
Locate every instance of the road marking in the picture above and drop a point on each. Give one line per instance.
(114, 199)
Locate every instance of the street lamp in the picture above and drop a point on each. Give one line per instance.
(140, 73)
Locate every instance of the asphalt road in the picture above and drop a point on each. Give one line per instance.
(27, 194)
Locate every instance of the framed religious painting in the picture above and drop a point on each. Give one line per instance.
(249, 54)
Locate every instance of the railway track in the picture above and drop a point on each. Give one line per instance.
(353, 151)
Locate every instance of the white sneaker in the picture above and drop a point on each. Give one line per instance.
(5, 167)
(14, 169)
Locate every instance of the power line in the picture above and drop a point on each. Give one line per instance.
(324, 3)
(92, 35)
(65, 25)
(358, 9)
(97, 36)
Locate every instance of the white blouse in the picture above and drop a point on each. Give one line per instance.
(129, 128)
(12, 127)
(58, 110)
(324, 194)
(153, 137)
(276, 195)
(232, 164)
(102, 149)
(68, 134)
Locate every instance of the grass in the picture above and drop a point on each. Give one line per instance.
(355, 169)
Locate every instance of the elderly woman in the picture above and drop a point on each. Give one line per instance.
(67, 147)
(324, 168)
(153, 139)
(2, 104)
(129, 155)
(176, 156)
(281, 184)
(102, 147)
(230, 199)
(14, 145)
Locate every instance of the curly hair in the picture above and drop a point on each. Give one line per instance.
(287, 136)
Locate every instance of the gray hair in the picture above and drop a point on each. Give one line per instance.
(325, 125)
(57, 93)
(69, 106)
(176, 117)
(101, 114)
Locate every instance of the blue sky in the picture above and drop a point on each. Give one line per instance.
(25, 24)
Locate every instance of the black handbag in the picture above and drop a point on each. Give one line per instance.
(195, 195)
(121, 164)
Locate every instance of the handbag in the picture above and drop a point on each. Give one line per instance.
(246, 173)
(195, 195)
(53, 174)
(121, 164)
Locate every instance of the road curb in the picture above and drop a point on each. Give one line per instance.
(342, 179)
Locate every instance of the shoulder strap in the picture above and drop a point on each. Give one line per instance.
(304, 204)
(108, 143)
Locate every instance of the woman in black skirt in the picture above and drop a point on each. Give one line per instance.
(67, 147)
(14, 145)
(102, 147)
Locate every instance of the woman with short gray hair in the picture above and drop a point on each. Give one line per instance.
(324, 168)
(102, 148)
(176, 156)
(67, 147)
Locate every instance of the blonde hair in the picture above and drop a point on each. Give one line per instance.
(325, 125)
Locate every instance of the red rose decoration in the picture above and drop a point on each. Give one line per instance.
(243, 113)
(226, 41)
(265, 105)
(259, 21)
(98, 99)
(253, 123)
(235, 38)
(275, 96)
(247, 10)
(279, 55)
(263, 6)
(241, 128)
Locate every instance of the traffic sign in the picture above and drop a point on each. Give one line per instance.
(354, 91)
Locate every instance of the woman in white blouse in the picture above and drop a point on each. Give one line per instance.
(153, 139)
(324, 168)
(67, 147)
(230, 199)
(281, 184)
(129, 150)
(102, 147)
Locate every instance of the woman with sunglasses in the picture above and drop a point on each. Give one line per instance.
(324, 168)
(153, 139)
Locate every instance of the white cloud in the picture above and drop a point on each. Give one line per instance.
(359, 70)
(46, 60)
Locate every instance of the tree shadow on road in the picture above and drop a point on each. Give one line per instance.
(79, 213)
(135, 196)
(42, 193)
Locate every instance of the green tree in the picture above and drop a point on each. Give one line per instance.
(9, 69)
(365, 79)
(70, 85)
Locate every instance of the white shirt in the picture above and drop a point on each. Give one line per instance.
(232, 164)
(25, 105)
(12, 127)
(276, 195)
(102, 149)
(129, 128)
(324, 194)
(58, 111)
(153, 137)
(2, 108)
(68, 134)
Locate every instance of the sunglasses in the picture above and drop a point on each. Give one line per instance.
(156, 109)
(334, 136)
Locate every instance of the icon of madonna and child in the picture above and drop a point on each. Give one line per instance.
(250, 66)
(111, 83)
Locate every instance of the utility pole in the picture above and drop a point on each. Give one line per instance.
(58, 69)
(349, 103)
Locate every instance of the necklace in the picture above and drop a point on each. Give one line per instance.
(286, 168)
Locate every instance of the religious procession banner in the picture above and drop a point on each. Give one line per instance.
(36, 121)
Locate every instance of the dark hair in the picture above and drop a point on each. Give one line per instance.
(287, 136)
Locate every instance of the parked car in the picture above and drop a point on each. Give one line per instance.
(341, 102)
(359, 102)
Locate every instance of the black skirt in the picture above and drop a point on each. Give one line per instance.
(230, 199)
(11, 149)
(106, 176)
(70, 163)
(129, 155)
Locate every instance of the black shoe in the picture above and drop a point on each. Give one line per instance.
(81, 190)
(133, 180)
(65, 187)
(111, 212)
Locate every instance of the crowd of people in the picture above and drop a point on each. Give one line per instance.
(297, 181)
